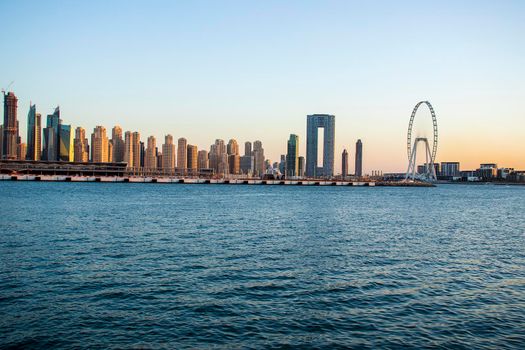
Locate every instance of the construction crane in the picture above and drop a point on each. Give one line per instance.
(7, 88)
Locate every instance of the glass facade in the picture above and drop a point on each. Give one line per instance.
(327, 123)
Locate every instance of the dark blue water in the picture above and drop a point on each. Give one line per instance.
(221, 266)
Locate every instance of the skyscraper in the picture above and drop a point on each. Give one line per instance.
(219, 157)
(150, 159)
(344, 164)
(168, 153)
(192, 157)
(182, 153)
(110, 151)
(136, 146)
(118, 144)
(10, 132)
(34, 134)
(258, 154)
(1, 141)
(65, 139)
(314, 123)
(132, 149)
(292, 156)
(247, 148)
(128, 149)
(21, 152)
(50, 149)
(234, 164)
(99, 145)
(247, 164)
(80, 146)
(359, 158)
(142, 154)
(301, 166)
(202, 160)
(282, 164)
(233, 147)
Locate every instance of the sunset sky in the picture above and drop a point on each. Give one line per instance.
(254, 69)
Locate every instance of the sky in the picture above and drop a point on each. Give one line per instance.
(253, 70)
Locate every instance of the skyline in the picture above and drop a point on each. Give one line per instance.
(367, 66)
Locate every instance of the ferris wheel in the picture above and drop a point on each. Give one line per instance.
(430, 155)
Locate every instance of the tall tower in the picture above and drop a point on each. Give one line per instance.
(65, 138)
(168, 153)
(233, 147)
(182, 156)
(202, 159)
(10, 134)
(301, 166)
(99, 145)
(292, 156)
(80, 146)
(192, 154)
(219, 157)
(258, 154)
(247, 148)
(344, 164)
(314, 123)
(118, 144)
(34, 134)
(359, 158)
(150, 160)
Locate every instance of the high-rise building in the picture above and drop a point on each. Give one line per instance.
(150, 160)
(282, 164)
(65, 139)
(234, 163)
(110, 151)
(219, 157)
(1, 141)
(359, 158)
(137, 147)
(248, 148)
(21, 152)
(301, 167)
(99, 145)
(233, 147)
(315, 122)
(247, 164)
(182, 153)
(10, 133)
(34, 134)
(128, 149)
(80, 146)
(292, 156)
(202, 160)
(168, 153)
(258, 154)
(51, 146)
(118, 144)
(142, 154)
(132, 149)
(192, 154)
(344, 164)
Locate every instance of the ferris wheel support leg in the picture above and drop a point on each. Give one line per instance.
(411, 164)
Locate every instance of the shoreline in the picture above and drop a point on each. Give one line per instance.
(194, 181)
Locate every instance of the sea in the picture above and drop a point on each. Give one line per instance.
(178, 266)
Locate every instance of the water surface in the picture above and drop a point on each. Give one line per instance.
(95, 265)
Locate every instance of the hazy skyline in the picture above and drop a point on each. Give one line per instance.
(253, 71)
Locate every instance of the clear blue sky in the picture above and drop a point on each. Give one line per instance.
(254, 69)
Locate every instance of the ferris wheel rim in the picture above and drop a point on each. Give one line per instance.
(435, 130)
